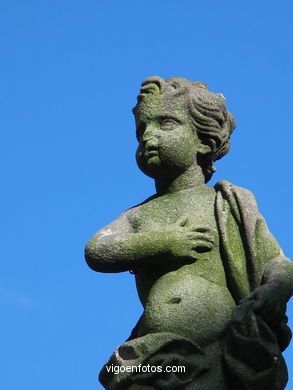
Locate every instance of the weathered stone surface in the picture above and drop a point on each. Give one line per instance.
(212, 279)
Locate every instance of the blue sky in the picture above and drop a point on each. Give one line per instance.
(70, 73)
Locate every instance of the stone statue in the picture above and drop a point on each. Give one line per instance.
(213, 281)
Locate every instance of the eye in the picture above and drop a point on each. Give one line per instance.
(140, 128)
(168, 124)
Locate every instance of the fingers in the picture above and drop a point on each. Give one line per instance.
(270, 309)
(202, 242)
(259, 296)
(201, 239)
(259, 305)
(201, 247)
(273, 318)
(246, 299)
(183, 222)
(193, 255)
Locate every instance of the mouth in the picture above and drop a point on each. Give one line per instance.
(151, 152)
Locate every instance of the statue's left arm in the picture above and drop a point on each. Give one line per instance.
(260, 267)
(275, 284)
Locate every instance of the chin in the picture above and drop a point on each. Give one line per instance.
(150, 167)
(151, 171)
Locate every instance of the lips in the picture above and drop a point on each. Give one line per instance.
(151, 152)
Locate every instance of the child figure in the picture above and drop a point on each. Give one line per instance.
(213, 281)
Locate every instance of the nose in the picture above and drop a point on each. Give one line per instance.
(150, 137)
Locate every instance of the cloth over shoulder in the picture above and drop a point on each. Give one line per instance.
(247, 246)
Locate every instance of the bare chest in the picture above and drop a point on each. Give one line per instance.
(186, 207)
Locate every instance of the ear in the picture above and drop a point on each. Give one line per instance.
(204, 149)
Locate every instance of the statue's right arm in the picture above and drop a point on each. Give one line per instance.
(117, 247)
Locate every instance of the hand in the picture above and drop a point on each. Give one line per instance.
(269, 303)
(187, 241)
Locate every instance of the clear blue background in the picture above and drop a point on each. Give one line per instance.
(70, 73)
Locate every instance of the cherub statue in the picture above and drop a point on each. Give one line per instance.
(213, 281)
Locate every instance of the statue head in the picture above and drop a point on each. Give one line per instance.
(205, 112)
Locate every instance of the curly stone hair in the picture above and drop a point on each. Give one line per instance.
(208, 113)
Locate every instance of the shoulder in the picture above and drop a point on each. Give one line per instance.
(133, 214)
(232, 192)
(241, 201)
(226, 187)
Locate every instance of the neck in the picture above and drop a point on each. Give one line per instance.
(192, 177)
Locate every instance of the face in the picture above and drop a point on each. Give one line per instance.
(168, 145)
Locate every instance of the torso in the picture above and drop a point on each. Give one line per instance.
(191, 300)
